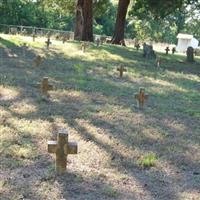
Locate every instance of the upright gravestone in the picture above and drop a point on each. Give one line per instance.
(62, 147)
(83, 46)
(98, 42)
(24, 49)
(190, 54)
(121, 70)
(158, 62)
(34, 36)
(141, 97)
(137, 46)
(45, 86)
(173, 50)
(48, 42)
(167, 50)
(148, 51)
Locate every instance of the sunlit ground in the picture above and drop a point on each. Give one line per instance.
(124, 153)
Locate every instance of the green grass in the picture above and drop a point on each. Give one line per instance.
(148, 160)
(115, 139)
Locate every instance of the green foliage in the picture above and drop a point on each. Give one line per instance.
(152, 20)
(149, 160)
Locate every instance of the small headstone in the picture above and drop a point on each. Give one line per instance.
(167, 50)
(190, 54)
(45, 87)
(173, 50)
(121, 70)
(137, 46)
(148, 51)
(48, 42)
(13, 30)
(38, 60)
(98, 42)
(34, 36)
(158, 62)
(62, 148)
(141, 97)
(24, 48)
(83, 46)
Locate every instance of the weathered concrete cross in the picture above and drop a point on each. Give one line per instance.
(158, 62)
(167, 50)
(24, 48)
(83, 46)
(141, 97)
(45, 86)
(98, 42)
(137, 46)
(34, 36)
(173, 50)
(121, 70)
(62, 148)
(48, 42)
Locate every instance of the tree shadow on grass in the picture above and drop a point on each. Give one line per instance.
(85, 108)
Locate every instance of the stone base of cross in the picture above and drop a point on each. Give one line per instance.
(62, 148)
(141, 97)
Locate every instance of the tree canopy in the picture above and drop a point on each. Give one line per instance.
(159, 20)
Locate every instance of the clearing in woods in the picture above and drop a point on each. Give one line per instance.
(123, 153)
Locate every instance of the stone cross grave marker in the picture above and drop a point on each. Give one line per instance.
(167, 50)
(173, 50)
(48, 42)
(45, 86)
(38, 60)
(98, 42)
(158, 62)
(190, 54)
(141, 97)
(121, 70)
(83, 46)
(137, 46)
(24, 48)
(62, 148)
(34, 36)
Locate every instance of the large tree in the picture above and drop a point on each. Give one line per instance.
(84, 20)
(159, 9)
(120, 22)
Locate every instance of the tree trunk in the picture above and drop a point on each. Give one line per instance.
(84, 21)
(118, 37)
(79, 20)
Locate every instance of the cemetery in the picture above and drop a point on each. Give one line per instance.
(103, 119)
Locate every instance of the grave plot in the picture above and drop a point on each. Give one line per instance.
(123, 152)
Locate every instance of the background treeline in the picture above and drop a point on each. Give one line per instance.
(140, 22)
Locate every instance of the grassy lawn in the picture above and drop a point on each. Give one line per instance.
(124, 153)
